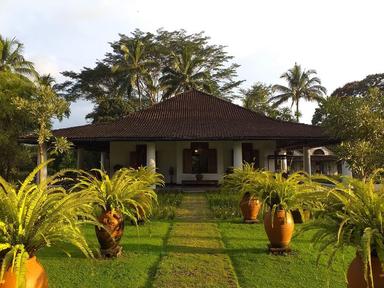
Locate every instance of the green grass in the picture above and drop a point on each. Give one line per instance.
(247, 246)
(168, 202)
(136, 268)
(224, 205)
(194, 251)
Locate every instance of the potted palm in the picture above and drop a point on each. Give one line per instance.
(129, 193)
(282, 193)
(243, 181)
(33, 216)
(351, 214)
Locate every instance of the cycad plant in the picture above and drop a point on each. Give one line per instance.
(351, 213)
(128, 193)
(243, 181)
(33, 216)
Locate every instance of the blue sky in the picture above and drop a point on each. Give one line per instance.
(342, 40)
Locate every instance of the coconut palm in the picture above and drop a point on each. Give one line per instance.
(11, 58)
(302, 84)
(135, 64)
(185, 72)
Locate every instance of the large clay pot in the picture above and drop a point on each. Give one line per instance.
(280, 233)
(35, 276)
(250, 207)
(355, 274)
(109, 236)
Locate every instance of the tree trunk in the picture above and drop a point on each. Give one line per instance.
(297, 111)
(42, 157)
(138, 90)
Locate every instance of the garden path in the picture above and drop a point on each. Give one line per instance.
(194, 251)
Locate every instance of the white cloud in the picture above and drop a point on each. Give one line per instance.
(341, 39)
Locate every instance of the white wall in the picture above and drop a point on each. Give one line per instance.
(170, 154)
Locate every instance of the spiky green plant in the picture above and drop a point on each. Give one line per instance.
(131, 191)
(351, 214)
(243, 179)
(33, 216)
(285, 192)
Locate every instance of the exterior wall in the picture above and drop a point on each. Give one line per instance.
(170, 154)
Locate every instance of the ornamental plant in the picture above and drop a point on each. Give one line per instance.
(129, 193)
(351, 214)
(34, 216)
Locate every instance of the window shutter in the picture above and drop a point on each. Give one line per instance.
(212, 161)
(187, 161)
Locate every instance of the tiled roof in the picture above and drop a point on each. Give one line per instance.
(193, 115)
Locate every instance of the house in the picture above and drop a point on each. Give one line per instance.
(195, 133)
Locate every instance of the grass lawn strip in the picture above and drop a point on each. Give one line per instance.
(195, 254)
(247, 246)
(135, 268)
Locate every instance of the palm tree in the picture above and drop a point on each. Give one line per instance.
(185, 72)
(301, 85)
(135, 65)
(11, 58)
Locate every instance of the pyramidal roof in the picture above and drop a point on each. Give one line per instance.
(193, 115)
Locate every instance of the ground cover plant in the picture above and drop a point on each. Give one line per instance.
(224, 205)
(167, 203)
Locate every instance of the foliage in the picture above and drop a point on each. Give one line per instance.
(128, 190)
(286, 192)
(43, 105)
(359, 123)
(257, 98)
(145, 68)
(224, 204)
(352, 214)
(33, 216)
(167, 203)
(302, 84)
(13, 123)
(11, 58)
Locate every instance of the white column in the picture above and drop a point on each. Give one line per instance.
(80, 158)
(284, 162)
(345, 170)
(307, 160)
(237, 155)
(151, 155)
(103, 157)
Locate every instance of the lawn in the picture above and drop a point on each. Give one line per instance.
(246, 245)
(168, 253)
(136, 268)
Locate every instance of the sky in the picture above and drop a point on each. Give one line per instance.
(342, 40)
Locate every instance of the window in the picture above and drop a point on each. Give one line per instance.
(199, 159)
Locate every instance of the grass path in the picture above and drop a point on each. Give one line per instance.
(194, 252)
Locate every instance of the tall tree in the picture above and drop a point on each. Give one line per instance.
(302, 84)
(132, 71)
(44, 105)
(257, 98)
(359, 123)
(12, 59)
(352, 89)
(13, 123)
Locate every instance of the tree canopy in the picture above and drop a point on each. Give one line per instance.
(301, 84)
(359, 123)
(257, 99)
(145, 68)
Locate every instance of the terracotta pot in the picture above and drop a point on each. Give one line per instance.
(250, 208)
(355, 274)
(35, 276)
(109, 237)
(280, 233)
